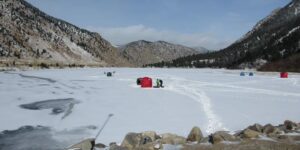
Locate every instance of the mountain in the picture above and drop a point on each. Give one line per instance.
(202, 50)
(272, 45)
(28, 36)
(144, 52)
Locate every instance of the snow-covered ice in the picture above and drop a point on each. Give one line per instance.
(213, 99)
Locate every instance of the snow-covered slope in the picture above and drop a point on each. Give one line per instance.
(75, 101)
(272, 45)
(29, 36)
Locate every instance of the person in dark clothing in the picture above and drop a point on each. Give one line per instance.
(161, 83)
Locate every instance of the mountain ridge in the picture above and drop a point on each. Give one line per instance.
(143, 52)
(31, 37)
(272, 45)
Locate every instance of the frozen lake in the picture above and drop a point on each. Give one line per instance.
(73, 102)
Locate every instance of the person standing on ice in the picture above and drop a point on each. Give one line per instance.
(161, 83)
(157, 83)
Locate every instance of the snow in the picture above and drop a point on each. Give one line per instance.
(213, 99)
(85, 56)
(289, 33)
(258, 38)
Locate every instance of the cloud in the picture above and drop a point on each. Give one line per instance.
(124, 35)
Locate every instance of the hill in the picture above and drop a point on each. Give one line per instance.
(144, 52)
(28, 36)
(272, 45)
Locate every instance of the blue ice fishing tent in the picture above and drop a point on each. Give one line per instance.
(242, 74)
(251, 74)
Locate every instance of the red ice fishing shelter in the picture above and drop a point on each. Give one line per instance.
(146, 82)
(284, 75)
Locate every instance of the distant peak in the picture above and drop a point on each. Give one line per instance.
(142, 41)
(161, 41)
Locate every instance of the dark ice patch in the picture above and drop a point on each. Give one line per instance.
(58, 106)
(38, 78)
(41, 138)
(29, 138)
(44, 85)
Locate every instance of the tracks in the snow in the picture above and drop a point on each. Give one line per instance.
(194, 90)
(185, 87)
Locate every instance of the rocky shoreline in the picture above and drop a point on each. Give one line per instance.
(255, 137)
(285, 136)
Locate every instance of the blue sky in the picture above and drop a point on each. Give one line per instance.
(209, 23)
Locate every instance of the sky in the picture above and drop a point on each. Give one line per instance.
(213, 24)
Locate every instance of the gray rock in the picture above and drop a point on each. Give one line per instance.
(221, 136)
(271, 130)
(100, 145)
(132, 140)
(195, 135)
(256, 127)
(112, 143)
(289, 125)
(250, 134)
(151, 134)
(135, 140)
(84, 145)
(172, 139)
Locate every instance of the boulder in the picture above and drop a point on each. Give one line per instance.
(250, 134)
(221, 136)
(172, 139)
(84, 145)
(214, 139)
(151, 134)
(132, 140)
(100, 145)
(195, 135)
(271, 130)
(256, 127)
(112, 143)
(289, 125)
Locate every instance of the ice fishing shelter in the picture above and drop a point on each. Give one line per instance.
(109, 74)
(242, 74)
(284, 75)
(146, 82)
(247, 74)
